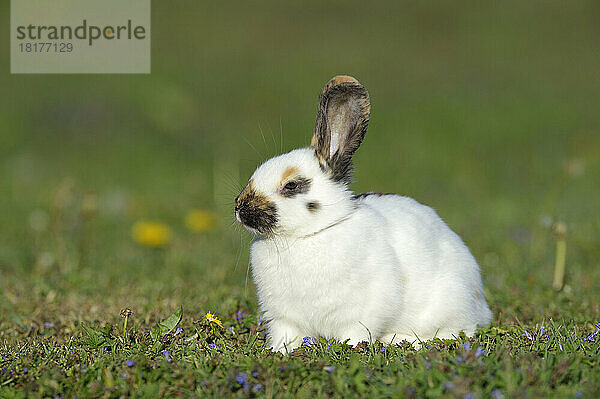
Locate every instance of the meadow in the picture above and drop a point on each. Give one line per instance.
(123, 272)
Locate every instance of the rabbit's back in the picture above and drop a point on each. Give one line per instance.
(441, 278)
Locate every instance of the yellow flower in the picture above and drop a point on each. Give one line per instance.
(213, 320)
(151, 234)
(198, 221)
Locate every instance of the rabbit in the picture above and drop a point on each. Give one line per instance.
(354, 267)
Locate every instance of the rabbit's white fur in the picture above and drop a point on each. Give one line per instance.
(358, 268)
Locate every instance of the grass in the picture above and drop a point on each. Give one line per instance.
(485, 112)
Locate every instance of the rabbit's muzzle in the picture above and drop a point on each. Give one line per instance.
(255, 211)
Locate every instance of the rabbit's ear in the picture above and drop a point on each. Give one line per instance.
(342, 120)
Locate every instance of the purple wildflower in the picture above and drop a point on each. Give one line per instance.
(167, 356)
(543, 331)
(230, 329)
(590, 338)
(255, 374)
(382, 349)
(459, 359)
(479, 351)
(578, 394)
(203, 383)
(241, 379)
(257, 387)
(560, 346)
(448, 386)
(467, 346)
(527, 335)
(308, 341)
(178, 331)
(496, 394)
(239, 315)
(427, 364)
(129, 363)
(25, 370)
(212, 346)
(47, 324)
(260, 319)
(469, 396)
(123, 376)
(329, 369)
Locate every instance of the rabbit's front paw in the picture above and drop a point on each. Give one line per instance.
(283, 337)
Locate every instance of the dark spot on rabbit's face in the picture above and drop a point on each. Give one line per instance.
(255, 211)
(313, 206)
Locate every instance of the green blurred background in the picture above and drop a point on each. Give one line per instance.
(486, 111)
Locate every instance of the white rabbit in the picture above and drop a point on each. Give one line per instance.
(329, 263)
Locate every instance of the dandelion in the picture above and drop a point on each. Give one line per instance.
(151, 234)
(213, 320)
(199, 221)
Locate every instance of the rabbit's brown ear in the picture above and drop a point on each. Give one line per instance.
(342, 120)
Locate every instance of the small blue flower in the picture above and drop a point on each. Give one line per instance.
(129, 363)
(543, 331)
(308, 341)
(479, 351)
(25, 370)
(241, 378)
(460, 359)
(257, 387)
(527, 335)
(469, 396)
(47, 324)
(382, 349)
(427, 365)
(467, 346)
(178, 331)
(203, 383)
(448, 386)
(560, 346)
(496, 394)
(260, 319)
(230, 329)
(329, 369)
(255, 374)
(167, 356)
(578, 394)
(212, 346)
(239, 315)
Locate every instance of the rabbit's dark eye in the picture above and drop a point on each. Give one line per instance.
(300, 185)
(291, 185)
